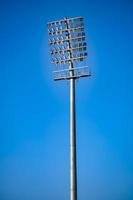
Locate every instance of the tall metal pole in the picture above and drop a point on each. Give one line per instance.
(73, 164)
(73, 167)
(70, 40)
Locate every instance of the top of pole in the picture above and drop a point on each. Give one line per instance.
(63, 20)
(68, 47)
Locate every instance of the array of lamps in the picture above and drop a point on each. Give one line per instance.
(62, 50)
(62, 39)
(62, 21)
(60, 30)
(65, 59)
(63, 32)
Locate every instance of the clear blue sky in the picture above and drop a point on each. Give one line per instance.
(34, 110)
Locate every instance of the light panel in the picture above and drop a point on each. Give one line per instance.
(76, 47)
(67, 42)
(56, 31)
(61, 39)
(78, 57)
(59, 22)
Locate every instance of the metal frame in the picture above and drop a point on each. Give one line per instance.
(64, 73)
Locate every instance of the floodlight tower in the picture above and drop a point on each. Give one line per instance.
(68, 49)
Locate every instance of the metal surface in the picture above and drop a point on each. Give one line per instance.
(73, 163)
(78, 72)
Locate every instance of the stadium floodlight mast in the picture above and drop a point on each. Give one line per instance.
(68, 50)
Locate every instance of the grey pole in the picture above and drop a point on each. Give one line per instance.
(73, 165)
(70, 39)
(73, 168)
